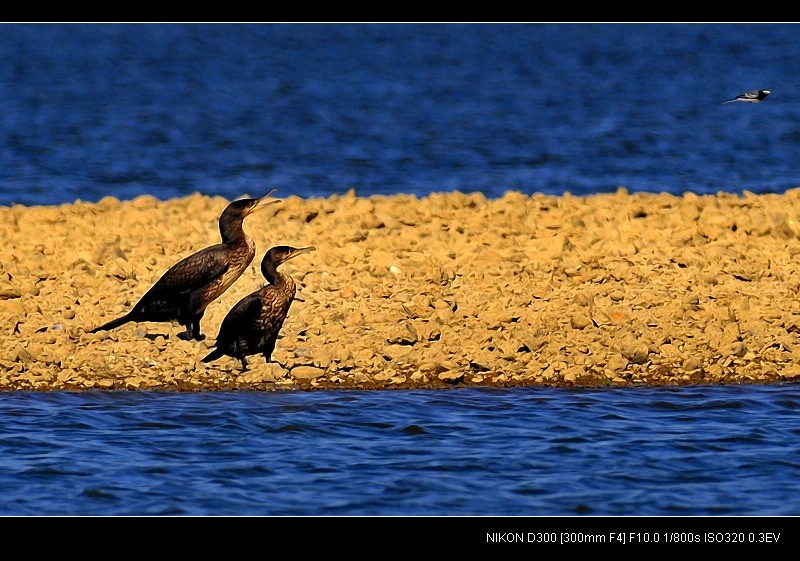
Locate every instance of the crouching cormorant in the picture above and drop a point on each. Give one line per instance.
(189, 286)
(252, 325)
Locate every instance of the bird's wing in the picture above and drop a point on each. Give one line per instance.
(751, 96)
(195, 271)
(239, 318)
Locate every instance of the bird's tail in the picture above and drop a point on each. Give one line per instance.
(112, 324)
(213, 355)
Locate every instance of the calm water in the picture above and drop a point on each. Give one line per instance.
(88, 111)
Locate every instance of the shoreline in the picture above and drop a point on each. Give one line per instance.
(447, 290)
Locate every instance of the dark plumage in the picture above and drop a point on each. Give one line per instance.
(252, 325)
(189, 286)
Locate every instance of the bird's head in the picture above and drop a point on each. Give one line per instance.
(245, 207)
(230, 222)
(282, 253)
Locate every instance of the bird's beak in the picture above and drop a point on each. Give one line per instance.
(300, 250)
(262, 202)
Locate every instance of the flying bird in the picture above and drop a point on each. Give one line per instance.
(189, 286)
(251, 327)
(753, 96)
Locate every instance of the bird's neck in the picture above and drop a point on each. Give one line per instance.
(232, 231)
(278, 279)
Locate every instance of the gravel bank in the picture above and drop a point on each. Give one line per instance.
(405, 292)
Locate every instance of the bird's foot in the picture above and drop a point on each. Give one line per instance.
(189, 336)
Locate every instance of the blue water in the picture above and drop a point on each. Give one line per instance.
(89, 111)
(93, 110)
(729, 450)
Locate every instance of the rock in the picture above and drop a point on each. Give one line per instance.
(580, 321)
(306, 372)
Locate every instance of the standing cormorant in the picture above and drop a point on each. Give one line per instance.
(189, 286)
(252, 325)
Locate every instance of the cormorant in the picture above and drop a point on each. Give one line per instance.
(189, 286)
(252, 325)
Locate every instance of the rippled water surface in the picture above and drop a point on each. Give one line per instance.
(727, 450)
(93, 110)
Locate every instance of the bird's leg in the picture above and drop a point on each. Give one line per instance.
(185, 320)
(244, 364)
(196, 328)
(187, 335)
